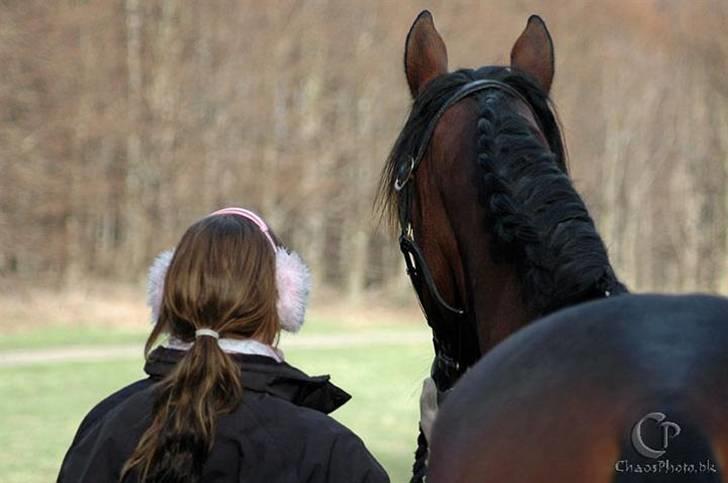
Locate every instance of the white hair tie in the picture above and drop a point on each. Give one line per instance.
(206, 333)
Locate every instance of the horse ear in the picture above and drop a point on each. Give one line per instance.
(533, 52)
(425, 54)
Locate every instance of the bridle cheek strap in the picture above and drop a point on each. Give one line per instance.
(420, 275)
(446, 368)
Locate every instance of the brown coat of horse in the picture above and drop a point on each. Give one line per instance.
(506, 237)
(578, 397)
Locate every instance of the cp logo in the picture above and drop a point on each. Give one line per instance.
(665, 426)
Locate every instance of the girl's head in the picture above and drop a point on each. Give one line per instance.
(228, 275)
(221, 277)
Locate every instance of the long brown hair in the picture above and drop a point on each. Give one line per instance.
(222, 277)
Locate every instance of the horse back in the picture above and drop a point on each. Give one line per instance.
(632, 388)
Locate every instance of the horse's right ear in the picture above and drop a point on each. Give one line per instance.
(425, 54)
(533, 52)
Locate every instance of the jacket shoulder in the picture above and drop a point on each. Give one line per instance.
(99, 412)
(110, 402)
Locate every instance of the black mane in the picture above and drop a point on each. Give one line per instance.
(537, 219)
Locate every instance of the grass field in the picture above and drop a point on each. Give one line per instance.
(43, 403)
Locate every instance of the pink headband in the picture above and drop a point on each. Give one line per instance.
(248, 215)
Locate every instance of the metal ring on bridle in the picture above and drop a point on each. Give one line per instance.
(398, 185)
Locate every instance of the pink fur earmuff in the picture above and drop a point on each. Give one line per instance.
(293, 278)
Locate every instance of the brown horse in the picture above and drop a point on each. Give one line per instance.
(493, 232)
(631, 388)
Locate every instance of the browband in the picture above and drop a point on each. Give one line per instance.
(406, 170)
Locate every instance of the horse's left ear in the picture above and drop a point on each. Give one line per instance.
(533, 52)
(425, 54)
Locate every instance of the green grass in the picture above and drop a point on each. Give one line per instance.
(62, 336)
(41, 408)
(42, 405)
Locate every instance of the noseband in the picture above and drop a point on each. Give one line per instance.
(448, 365)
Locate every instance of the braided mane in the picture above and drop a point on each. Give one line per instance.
(537, 219)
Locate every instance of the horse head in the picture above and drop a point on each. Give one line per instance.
(493, 232)
(478, 183)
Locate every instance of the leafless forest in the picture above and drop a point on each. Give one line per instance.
(123, 121)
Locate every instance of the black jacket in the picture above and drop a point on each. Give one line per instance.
(280, 432)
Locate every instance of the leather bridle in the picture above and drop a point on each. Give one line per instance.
(448, 365)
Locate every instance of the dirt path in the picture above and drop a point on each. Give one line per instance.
(92, 353)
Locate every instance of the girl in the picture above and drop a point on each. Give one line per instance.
(220, 404)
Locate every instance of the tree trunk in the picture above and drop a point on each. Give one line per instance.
(134, 230)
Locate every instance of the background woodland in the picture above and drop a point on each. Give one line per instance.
(123, 121)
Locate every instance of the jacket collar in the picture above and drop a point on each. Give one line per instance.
(265, 375)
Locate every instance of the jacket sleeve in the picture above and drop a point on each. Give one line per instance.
(93, 459)
(351, 461)
(95, 415)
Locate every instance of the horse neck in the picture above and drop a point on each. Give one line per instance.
(461, 247)
(500, 297)
(494, 294)
(465, 274)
